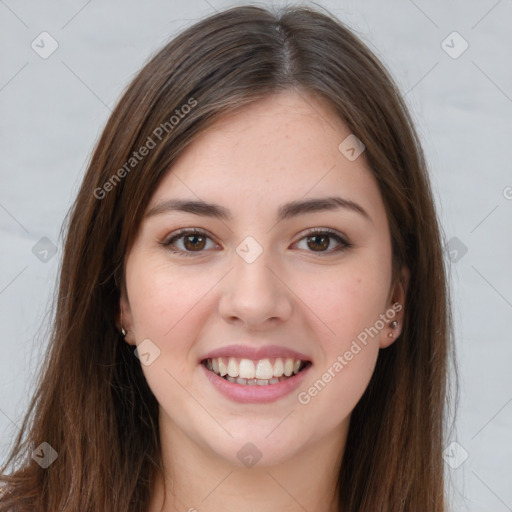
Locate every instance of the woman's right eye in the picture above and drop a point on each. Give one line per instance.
(192, 239)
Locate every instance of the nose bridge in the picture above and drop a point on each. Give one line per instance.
(253, 293)
(252, 268)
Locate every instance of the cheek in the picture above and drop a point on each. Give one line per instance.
(350, 309)
(337, 388)
(166, 309)
(351, 306)
(162, 299)
(348, 300)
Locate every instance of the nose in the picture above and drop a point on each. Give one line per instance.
(255, 294)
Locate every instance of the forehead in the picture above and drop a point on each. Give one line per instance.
(275, 150)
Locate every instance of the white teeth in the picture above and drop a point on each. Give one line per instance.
(232, 367)
(288, 367)
(256, 382)
(252, 373)
(222, 367)
(264, 370)
(278, 368)
(246, 369)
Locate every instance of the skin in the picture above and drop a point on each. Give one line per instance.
(295, 294)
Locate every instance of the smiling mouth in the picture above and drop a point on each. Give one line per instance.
(262, 372)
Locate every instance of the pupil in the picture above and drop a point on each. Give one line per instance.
(195, 237)
(325, 238)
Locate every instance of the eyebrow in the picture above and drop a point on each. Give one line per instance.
(285, 211)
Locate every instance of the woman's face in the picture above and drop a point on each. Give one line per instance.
(259, 286)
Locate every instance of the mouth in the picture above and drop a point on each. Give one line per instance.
(252, 372)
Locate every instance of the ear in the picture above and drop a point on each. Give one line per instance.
(124, 318)
(395, 310)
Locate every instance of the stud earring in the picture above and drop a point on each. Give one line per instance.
(393, 325)
(123, 332)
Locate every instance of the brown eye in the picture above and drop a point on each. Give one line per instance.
(319, 240)
(194, 241)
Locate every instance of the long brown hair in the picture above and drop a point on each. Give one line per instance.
(93, 405)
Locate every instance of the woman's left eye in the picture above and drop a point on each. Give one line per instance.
(194, 241)
(321, 239)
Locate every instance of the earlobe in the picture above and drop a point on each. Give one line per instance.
(123, 332)
(393, 329)
(123, 319)
(393, 334)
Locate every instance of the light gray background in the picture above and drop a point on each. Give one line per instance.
(54, 109)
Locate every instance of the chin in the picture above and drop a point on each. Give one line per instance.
(252, 448)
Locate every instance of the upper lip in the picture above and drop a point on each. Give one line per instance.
(255, 353)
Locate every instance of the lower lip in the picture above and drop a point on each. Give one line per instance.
(255, 394)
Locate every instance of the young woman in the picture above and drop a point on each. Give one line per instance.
(253, 311)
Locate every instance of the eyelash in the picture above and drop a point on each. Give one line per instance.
(344, 245)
